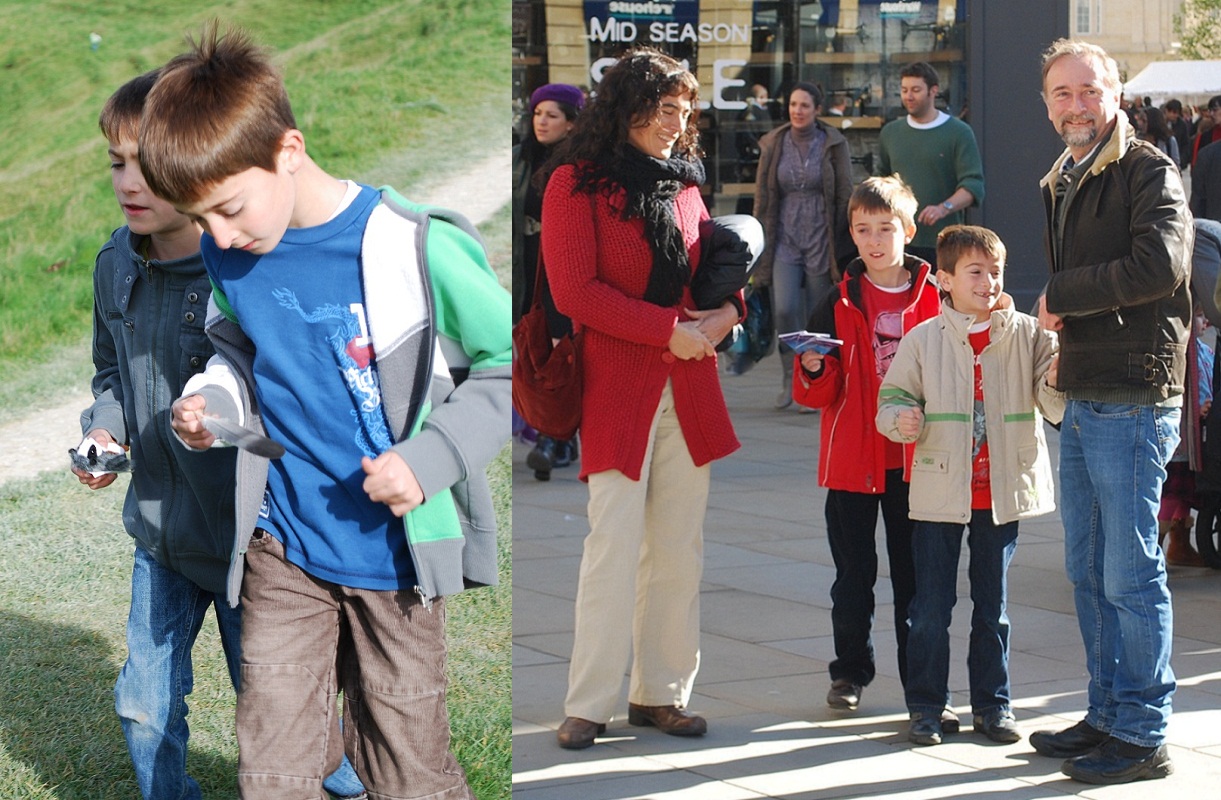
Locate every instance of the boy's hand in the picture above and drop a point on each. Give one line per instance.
(909, 422)
(1047, 320)
(686, 342)
(186, 414)
(811, 361)
(105, 479)
(389, 480)
(1053, 372)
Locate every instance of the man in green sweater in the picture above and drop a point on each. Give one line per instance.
(935, 154)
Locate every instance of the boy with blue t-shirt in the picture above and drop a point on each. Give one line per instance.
(369, 338)
(150, 297)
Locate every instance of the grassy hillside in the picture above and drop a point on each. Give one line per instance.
(385, 92)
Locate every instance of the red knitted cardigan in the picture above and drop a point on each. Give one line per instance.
(598, 268)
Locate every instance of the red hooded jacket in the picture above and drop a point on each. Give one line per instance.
(852, 456)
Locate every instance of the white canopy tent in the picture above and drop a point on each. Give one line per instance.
(1191, 82)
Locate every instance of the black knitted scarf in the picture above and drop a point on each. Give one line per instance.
(651, 184)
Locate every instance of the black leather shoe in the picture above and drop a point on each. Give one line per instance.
(668, 719)
(542, 458)
(577, 734)
(1119, 762)
(1071, 742)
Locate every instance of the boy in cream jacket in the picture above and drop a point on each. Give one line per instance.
(970, 388)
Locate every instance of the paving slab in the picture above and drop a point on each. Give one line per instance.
(766, 643)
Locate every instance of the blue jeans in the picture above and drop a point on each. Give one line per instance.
(167, 613)
(852, 518)
(1112, 465)
(936, 547)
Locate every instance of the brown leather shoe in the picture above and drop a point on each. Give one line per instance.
(668, 719)
(577, 734)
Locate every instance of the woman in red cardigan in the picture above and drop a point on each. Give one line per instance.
(622, 239)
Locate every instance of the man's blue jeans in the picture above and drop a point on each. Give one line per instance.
(1112, 465)
(167, 613)
(936, 547)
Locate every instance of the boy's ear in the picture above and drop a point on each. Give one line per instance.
(292, 150)
(943, 280)
(909, 233)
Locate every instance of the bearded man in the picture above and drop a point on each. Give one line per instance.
(1119, 242)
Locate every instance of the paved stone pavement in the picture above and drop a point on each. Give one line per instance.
(767, 640)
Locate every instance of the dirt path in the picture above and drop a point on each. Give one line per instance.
(40, 442)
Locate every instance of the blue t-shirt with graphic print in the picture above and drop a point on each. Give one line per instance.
(316, 382)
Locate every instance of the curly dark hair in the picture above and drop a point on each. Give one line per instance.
(629, 95)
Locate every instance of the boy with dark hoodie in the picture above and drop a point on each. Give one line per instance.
(150, 300)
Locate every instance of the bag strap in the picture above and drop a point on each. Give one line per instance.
(540, 282)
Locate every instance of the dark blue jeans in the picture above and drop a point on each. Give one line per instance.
(852, 519)
(936, 547)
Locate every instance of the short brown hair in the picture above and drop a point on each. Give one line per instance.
(1083, 51)
(218, 109)
(957, 241)
(120, 117)
(888, 195)
(923, 70)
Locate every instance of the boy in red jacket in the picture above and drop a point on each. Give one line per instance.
(884, 294)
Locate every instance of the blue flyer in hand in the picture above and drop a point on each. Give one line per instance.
(804, 341)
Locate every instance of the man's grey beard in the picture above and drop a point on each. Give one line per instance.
(1080, 138)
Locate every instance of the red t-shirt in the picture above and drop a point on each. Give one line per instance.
(884, 315)
(981, 494)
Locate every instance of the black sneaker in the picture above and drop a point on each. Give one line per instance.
(925, 729)
(1072, 742)
(844, 695)
(998, 725)
(1119, 762)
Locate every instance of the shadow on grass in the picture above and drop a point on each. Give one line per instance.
(57, 722)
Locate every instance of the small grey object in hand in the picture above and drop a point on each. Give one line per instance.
(97, 461)
(247, 440)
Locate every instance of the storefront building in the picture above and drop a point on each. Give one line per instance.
(852, 49)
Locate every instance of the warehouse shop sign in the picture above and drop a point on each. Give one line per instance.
(901, 9)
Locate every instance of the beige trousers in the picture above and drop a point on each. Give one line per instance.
(639, 590)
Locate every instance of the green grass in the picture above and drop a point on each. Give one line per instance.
(64, 580)
(385, 92)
